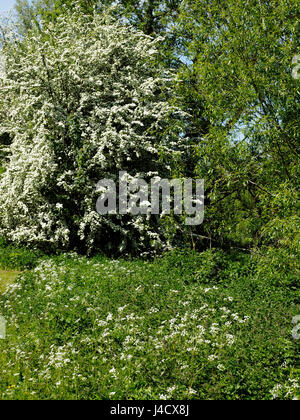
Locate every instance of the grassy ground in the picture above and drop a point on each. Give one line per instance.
(187, 326)
(6, 278)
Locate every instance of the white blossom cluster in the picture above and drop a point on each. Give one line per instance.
(82, 100)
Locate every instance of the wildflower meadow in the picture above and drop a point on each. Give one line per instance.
(149, 201)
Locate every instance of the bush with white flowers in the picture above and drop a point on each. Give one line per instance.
(83, 99)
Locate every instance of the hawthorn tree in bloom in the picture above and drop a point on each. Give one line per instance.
(83, 99)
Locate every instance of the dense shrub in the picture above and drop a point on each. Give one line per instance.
(95, 104)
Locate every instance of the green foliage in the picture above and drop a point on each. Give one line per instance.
(241, 107)
(238, 71)
(7, 277)
(112, 329)
(269, 266)
(188, 325)
(279, 267)
(218, 266)
(28, 12)
(94, 107)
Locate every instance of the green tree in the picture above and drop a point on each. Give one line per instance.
(239, 69)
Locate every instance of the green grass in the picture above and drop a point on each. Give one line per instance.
(6, 278)
(173, 328)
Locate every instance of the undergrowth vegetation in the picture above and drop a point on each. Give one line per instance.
(20, 258)
(184, 326)
(123, 91)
